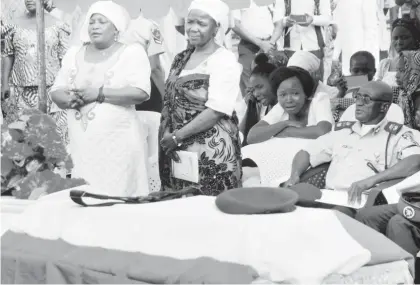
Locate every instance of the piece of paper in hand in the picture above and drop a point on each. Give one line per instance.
(187, 167)
(340, 198)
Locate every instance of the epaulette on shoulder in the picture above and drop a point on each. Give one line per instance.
(393, 128)
(343, 125)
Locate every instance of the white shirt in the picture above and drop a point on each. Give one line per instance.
(304, 38)
(350, 149)
(319, 111)
(146, 33)
(358, 24)
(223, 88)
(257, 20)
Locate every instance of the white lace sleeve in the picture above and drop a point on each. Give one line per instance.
(136, 68)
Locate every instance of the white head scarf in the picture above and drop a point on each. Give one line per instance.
(115, 13)
(216, 9)
(305, 60)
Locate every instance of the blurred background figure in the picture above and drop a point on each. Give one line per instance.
(147, 33)
(358, 23)
(20, 63)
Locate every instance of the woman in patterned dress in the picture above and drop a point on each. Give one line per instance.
(21, 67)
(198, 114)
(408, 79)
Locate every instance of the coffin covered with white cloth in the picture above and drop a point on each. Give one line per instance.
(189, 241)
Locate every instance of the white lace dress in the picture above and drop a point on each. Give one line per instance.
(106, 142)
(274, 157)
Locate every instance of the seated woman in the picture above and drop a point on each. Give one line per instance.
(262, 98)
(405, 36)
(408, 80)
(299, 115)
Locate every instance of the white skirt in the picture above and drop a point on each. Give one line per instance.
(110, 153)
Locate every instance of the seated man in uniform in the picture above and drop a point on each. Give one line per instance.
(364, 153)
(389, 221)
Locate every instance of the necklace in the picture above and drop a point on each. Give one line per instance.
(105, 51)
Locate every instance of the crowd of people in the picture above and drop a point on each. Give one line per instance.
(301, 110)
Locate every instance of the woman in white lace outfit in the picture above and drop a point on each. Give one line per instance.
(99, 84)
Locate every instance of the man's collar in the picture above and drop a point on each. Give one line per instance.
(358, 127)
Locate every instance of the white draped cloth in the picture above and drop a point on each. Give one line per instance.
(194, 227)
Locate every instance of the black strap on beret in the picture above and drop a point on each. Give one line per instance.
(78, 195)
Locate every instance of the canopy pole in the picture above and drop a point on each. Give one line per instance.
(40, 25)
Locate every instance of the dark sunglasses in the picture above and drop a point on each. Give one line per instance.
(367, 99)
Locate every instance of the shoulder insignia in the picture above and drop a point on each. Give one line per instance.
(393, 128)
(157, 36)
(343, 125)
(409, 136)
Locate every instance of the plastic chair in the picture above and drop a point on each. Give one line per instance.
(151, 122)
(395, 114)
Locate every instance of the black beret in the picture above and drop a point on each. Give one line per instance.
(257, 200)
(409, 206)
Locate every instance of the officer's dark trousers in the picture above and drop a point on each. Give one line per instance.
(386, 219)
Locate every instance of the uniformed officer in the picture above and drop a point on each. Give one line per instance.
(366, 152)
(147, 33)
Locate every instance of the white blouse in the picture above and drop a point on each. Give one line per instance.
(225, 74)
(319, 111)
(132, 68)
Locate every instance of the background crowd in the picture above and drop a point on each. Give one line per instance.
(257, 113)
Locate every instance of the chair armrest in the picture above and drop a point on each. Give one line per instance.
(375, 194)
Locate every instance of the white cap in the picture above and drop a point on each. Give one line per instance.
(305, 60)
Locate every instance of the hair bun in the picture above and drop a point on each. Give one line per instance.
(261, 59)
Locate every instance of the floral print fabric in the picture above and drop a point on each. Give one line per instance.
(218, 148)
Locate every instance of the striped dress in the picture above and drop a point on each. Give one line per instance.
(21, 43)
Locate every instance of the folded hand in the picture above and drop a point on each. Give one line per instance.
(357, 188)
(88, 95)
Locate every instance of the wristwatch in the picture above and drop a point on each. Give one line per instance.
(101, 96)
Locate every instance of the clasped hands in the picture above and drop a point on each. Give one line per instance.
(290, 124)
(79, 97)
